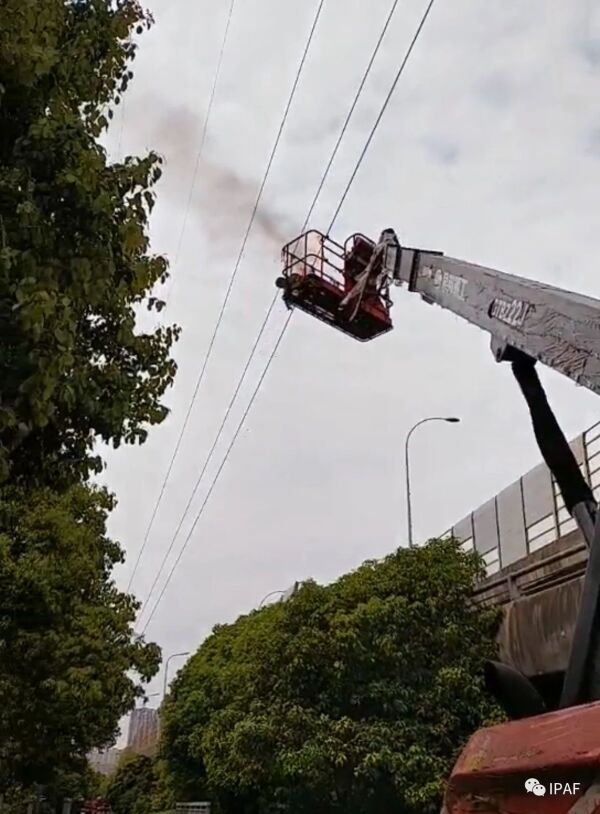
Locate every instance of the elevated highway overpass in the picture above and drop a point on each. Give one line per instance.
(535, 559)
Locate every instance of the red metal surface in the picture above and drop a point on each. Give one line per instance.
(560, 747)
(355, 262)
(317, 270)
(97, 806)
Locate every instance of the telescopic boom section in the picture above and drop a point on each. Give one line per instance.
(348, 287)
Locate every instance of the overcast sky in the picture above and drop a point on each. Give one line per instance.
(489, 151)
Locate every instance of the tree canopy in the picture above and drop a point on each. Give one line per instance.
(130, 790)
(354, 697)
(70, 663)
(74, 261)
(138, 786)
(76, 367)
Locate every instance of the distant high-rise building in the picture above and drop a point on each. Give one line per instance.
(143, 729)
(104, 761)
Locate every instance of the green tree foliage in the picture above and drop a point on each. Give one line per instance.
(77, 784)
(74, 262)
(354, 697)
(132, 788)
(70, 663)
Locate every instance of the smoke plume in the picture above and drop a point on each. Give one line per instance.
(222, 200)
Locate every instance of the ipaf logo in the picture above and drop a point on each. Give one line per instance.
(533, 786)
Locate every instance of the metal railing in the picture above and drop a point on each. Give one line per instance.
(554, 525)
(192, 808)
(555, 569)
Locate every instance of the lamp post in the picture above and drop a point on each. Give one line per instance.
(449, 420)
(148, 697)
(285, 595)
(272, 593)
(174, 656)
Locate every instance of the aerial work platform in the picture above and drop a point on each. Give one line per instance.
(335, 284)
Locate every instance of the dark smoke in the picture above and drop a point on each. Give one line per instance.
(222, 199)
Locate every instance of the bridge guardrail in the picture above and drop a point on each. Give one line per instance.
(559, 562)
(528, 515)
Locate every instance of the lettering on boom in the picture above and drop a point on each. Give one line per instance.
(449, 283)
(511, 312)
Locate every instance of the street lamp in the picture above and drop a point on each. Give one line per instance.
(148, 697)
(449, 420)
(272, 593)
(285, 595)
(174, 656)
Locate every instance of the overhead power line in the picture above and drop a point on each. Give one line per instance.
(200, 378)
(220, 469)
(279, 339)
(210, 454)
(381, 112)
(178, 251)
(351, 111)
(272, 305)
(211, 100)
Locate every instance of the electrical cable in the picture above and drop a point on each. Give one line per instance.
(200, 149)
(272, 305)
(219, 470)
(352, 108)
(179, 245)
(200, 378)
(285, 326)
(208, 458)
(381, 112)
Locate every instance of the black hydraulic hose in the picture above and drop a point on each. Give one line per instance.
(551, 440)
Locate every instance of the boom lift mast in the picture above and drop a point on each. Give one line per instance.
(348, 287)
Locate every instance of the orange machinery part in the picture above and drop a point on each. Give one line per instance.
(559, 747)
